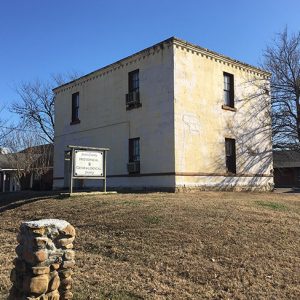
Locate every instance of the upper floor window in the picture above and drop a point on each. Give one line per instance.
(133, 96)
(133, 81)
(230, 155)
(75, 108)
(228, 89)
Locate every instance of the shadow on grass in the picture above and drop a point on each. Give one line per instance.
(13, 200)
(293, 191)
(287, 190)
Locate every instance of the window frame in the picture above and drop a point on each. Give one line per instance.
(134, 150)
(133, 96)
(75, 108)
(228, 91)
(134, 83)
(230, 155)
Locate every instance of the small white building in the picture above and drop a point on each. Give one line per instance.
(9, 180)
(175, 116)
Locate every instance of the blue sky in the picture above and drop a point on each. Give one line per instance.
(39, 38)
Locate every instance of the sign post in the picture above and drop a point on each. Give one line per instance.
(87, 163)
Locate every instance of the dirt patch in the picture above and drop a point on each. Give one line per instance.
(171, 246)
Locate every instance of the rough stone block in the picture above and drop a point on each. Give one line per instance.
(69, 246)
(55, 266)
(54, 283)
(65, 241)
(68, 264)
(41, 255)
(40, 270)
(38, 231)
(37, 285)
(41, 242)
(45, 260)
(68, 230)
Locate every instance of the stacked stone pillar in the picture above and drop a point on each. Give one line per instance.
(44, 266)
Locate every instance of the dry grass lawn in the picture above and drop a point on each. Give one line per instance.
(206, 245)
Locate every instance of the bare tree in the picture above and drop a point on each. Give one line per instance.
(35, 105)
(5, 129)
(27, 153)
(282, 59)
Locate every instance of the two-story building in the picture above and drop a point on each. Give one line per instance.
(174, 116)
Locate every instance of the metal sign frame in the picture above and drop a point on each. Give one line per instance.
(72, 159)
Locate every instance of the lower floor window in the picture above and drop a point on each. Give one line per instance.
(230, 155)
(134, 149)
(134, 156)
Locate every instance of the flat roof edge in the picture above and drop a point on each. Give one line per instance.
(115, 63)
(176, 41)
(181, 42)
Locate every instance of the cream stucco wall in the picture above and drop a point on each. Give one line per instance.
(105, 122)
(181, 124)
(201, 125)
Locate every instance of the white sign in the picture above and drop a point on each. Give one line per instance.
(88, 163)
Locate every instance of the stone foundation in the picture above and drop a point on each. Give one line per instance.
(249, 188)
(43, 268)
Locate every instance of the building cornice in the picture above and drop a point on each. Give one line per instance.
(204, 52)
(143, 54)
(184, 45)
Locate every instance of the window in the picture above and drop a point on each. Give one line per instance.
(228, 90)
(133, 96)
(75, 108)
(133, 81)
(230, 156)
(134, 149)
(134, 156)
